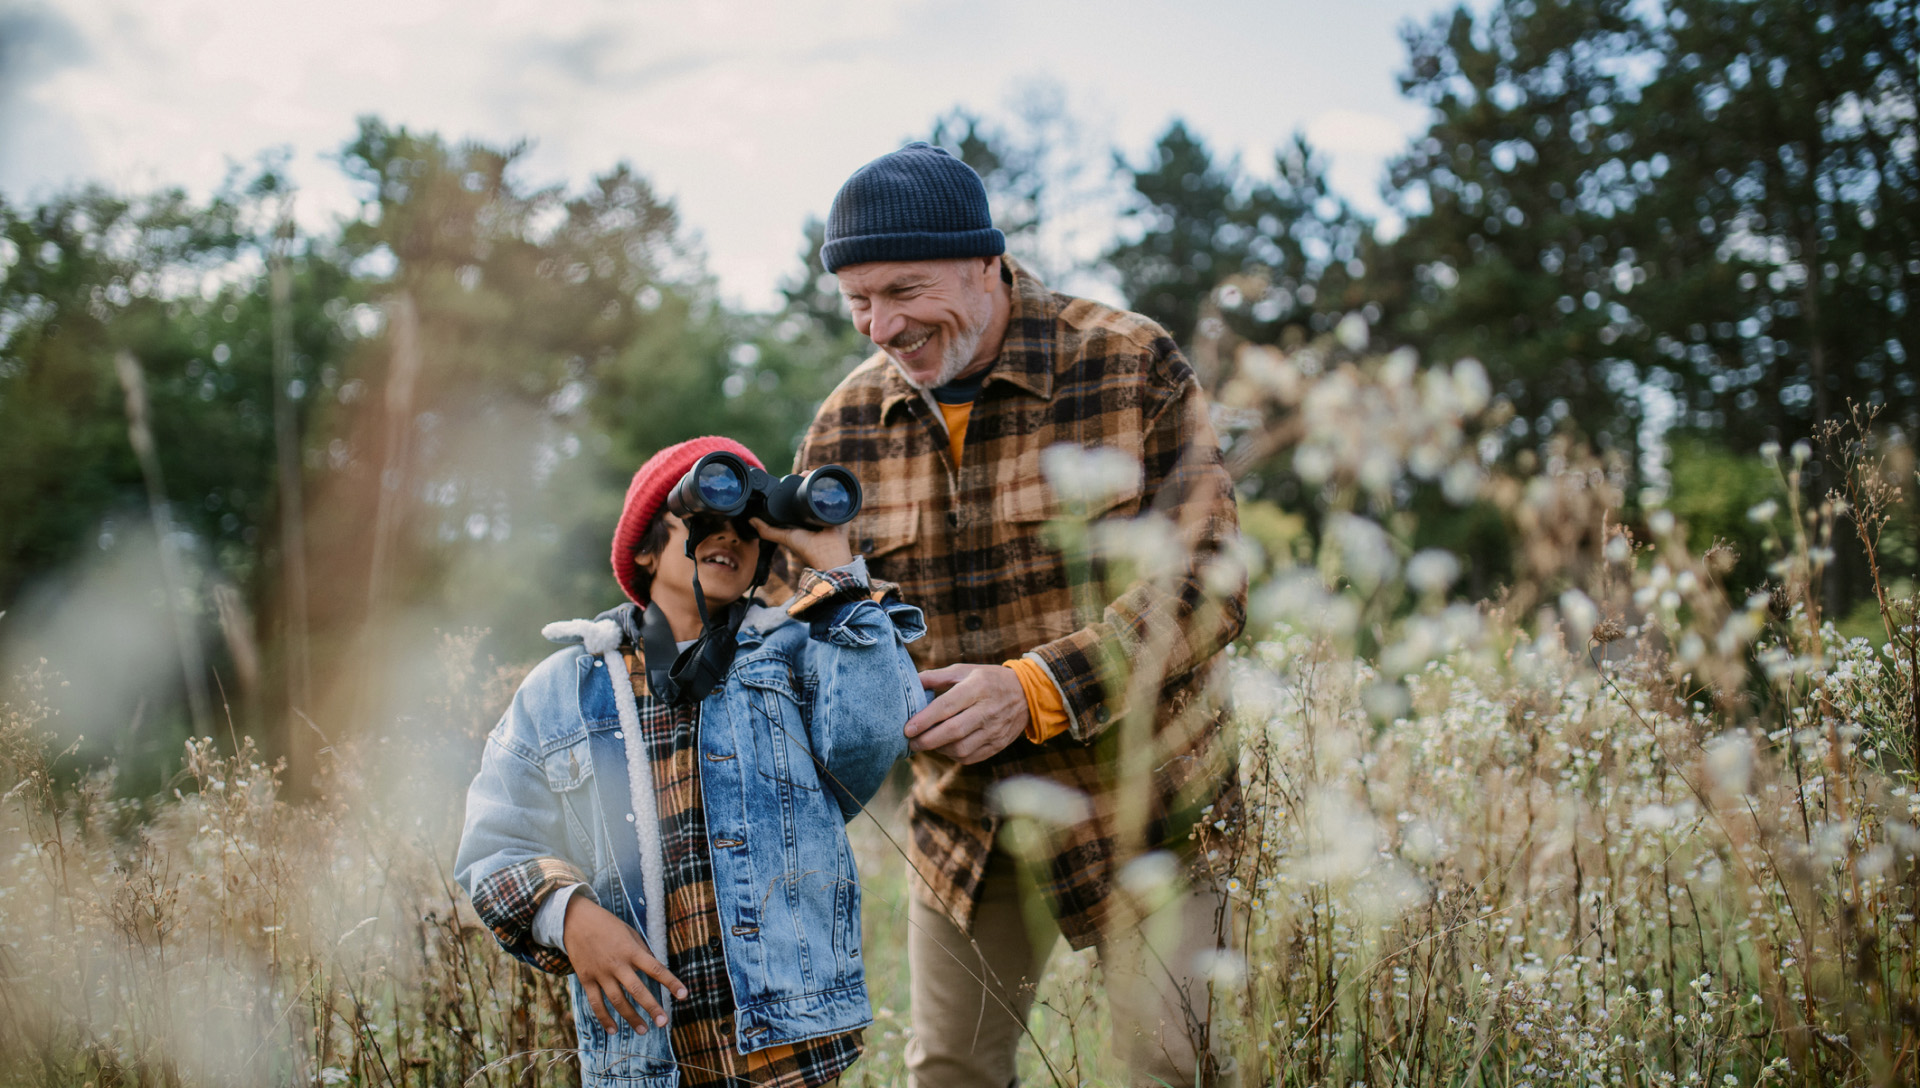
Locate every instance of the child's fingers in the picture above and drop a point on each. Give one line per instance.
(619, 995)
(768, 532)
(657, 971)
(599, 1007)
(630, 982)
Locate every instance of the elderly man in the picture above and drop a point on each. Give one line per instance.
(1041, 668)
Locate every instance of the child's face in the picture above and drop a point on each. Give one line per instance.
(725, 561)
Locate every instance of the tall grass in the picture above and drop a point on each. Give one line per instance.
(1623, 825)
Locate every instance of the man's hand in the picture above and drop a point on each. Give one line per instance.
(821, 549)
(610, 957)
(980, 710)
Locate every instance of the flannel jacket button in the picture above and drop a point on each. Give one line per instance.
(953, 518)
(972, 623)
(866, 543)
(1099, 715)
(713, 944)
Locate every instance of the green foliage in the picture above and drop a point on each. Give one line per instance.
(91, 274)
(1511, 245)
(1720, 496)
(1785, 241)
(1702, 213)
(1212, 242)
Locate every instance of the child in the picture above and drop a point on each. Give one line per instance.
(682, 853)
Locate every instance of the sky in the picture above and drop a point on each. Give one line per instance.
(746, 113)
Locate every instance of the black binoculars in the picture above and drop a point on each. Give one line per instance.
(722, 485)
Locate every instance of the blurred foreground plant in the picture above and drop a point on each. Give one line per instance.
(223, 936)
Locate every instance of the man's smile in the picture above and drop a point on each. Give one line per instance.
(907, 343)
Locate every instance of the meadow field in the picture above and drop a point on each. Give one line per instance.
(1620, 824)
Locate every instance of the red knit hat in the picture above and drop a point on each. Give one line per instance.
(647, 496)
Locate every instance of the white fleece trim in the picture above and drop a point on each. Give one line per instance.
(646, 811)
(601, 638)
(597, 637)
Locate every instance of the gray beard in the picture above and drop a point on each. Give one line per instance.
(956, 358)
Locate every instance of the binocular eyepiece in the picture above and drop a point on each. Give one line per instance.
(723, 485)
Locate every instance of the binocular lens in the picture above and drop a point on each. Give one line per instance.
(831, 500)
(721, 488)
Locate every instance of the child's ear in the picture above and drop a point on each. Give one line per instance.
(646, 561)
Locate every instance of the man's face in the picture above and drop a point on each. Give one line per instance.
(930, 317)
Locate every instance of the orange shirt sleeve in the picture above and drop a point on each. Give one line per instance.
(1046, 714)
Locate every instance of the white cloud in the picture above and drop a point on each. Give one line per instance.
(748, 112)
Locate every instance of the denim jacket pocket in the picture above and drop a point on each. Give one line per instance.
(781, 748)
(624, 1057)
(567, 769)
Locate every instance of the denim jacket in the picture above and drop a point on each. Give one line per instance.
(797, 738)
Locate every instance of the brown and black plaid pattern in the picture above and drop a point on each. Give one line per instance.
(970, 549)
(702, 1024)
(819, 587)
(508, 900)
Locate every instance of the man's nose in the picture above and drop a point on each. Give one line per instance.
(884, 323)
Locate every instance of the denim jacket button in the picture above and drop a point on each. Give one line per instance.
(629, 817)
(619, 734)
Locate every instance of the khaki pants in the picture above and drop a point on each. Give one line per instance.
(971, 997)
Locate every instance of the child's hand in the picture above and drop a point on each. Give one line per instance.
(610, 957)
(821, 549)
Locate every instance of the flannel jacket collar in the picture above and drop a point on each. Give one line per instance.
(1026, 355)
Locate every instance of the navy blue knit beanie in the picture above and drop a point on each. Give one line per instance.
(917, 204)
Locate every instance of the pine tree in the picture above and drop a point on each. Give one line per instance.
(1518, 248)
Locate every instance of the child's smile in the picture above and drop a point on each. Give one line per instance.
(725, 561)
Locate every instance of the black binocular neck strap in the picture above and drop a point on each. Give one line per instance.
(659, 648)
(686, 677)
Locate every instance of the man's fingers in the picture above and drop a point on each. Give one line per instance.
(940, 735)
(642, 994)
(943, 707)
(945, 677)
(654, 969)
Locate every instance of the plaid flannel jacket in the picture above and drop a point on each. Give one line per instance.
(972, 549)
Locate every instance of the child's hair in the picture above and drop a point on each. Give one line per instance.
(652, 542)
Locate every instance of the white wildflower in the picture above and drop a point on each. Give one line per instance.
(1041, 799)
